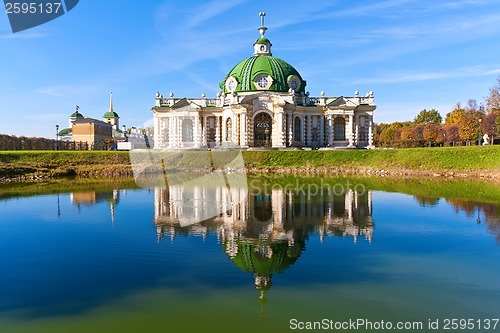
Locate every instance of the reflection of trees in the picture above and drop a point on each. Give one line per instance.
(490, 212)
(427, 201)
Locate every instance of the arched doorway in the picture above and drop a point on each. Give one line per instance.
(339, 129)
(187, 130)
(262, 130)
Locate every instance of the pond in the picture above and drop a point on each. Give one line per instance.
(282, 254)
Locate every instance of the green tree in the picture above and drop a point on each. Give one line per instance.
(431, 116)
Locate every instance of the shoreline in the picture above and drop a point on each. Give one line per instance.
(468, 163)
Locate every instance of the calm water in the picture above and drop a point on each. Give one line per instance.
(125, 260)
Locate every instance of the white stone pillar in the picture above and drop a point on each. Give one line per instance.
(217, 131)
(289, 124)
(370, 132)
(304, 130)
(224, 129)
(330, 131)
(280, 133)
(309, 132)
(204, 132)
(356, 133)
(350, 132)
(322, 131)
(243, 129)
(171, 132)
(179, 132)
(197, 132)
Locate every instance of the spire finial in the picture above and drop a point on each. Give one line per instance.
(262, 28)
(111, 101)
(262, 17)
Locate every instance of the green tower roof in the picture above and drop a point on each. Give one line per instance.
(77, 115)
(111, 114)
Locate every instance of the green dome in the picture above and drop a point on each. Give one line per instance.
(249, 70)
(111, 114)
(262, 40)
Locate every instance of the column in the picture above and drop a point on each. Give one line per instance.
(179, 132)
(356, 133)
(330, 131)
(243, 129)
(204, 132)
(309, 133)
(289, 124)
(350, 132)
(280, 130)
(322, 130)
(197, 132)
(370, 132)
(217, 132)
(224, 129)
(171, 132)
(304, 130)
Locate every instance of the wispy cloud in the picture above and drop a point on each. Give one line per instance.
(391, 78)
(211, 10)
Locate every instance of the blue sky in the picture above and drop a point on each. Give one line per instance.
(412, 54)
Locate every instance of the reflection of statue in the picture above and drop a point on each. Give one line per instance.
(486, 139)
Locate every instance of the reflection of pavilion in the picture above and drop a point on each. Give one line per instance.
(264, 233)
(263, 216)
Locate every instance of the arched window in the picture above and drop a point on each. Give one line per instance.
(363, 128)
(187, 130)
(339, 129)
(229, 129)
(297, 129)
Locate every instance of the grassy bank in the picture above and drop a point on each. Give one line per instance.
(457, 161)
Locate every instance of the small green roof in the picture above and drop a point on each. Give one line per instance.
(64, 131)
(77, 114)
(111, 114)
(262, 40)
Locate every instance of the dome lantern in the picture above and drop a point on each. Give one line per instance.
(262, 45)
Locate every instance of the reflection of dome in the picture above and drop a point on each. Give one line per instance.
(264, 259)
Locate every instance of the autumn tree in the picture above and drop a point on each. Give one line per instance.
(491, 125)
(431, 116)
(430, 133)
(455, 116)
(493, 100)
(468, 128)
(451, 133)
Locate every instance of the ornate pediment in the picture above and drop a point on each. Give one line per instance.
(341, 102)
(185, 103)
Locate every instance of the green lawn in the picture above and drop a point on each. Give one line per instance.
(113, 164)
